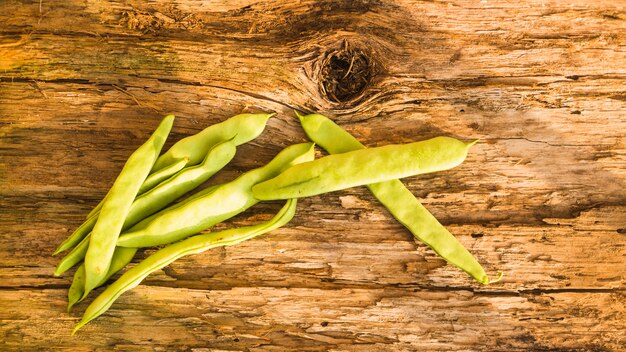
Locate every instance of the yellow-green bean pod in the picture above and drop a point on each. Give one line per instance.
(397, 199)
(117, 204)
(240, 128)
(158, 197)
(121, 257)
(222, 203)
(362, 167)
(165, 256)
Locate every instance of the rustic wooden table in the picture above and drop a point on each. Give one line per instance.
(542, 197)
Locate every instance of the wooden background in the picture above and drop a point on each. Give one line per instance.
(542, 197)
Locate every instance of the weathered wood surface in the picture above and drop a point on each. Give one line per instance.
(541, 83)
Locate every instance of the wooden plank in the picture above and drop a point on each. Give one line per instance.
(294, 319)
(541, 83)
(324, 247)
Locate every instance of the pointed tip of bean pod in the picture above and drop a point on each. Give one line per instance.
(167, 121)
(310, 154)
(262, 117)
(72, 301)
(298, 114)
(498, 278)
(472, 143)
(57, 251)
(85, 293)
(487, 281)
(78, 326)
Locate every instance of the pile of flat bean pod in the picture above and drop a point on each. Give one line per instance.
(140, 210)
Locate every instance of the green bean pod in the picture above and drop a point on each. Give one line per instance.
(240, 128)
(362, 167)
(75, 256)
(121, 257)
(157, 177)
(222, 203)
(117, 204)
(76, 290)
(397, 199)
(78, 235)
(165, 256)
(158, 197)
(150, 182)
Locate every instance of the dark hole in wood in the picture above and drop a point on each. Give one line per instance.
(324, 323)
(477, 235)
(345, 73)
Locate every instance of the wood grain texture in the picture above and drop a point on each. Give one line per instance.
(542, 197)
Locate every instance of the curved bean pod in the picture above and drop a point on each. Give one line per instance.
(143, 223)
(152, 180)
(121, 257)
(78, 235)
(223, 203)
(397, 199)
(241, 128)
(118, 203)
(156, 178)
(365, 166)
(158, 197)
(167, 255)
(75, 256)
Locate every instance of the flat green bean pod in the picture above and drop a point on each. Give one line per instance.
(167, 255)
(75, 256)
(159, 176)
(240, 128)
(222, 203)
(118, 203)
(78, 235)
(150, 182)
(167, 191)
(121, 257)
(363, 167)
(397, 199)
(143, 223)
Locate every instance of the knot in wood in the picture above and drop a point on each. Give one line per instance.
(345, 73)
